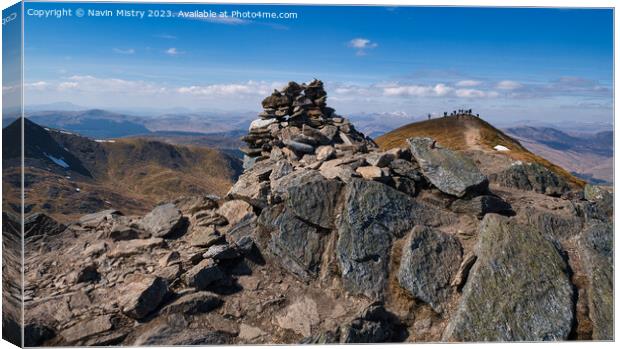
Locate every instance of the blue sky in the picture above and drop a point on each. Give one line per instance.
(509, 64)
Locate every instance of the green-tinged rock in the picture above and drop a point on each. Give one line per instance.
(429, 262)
(518, 289)
(373, 214)
(297, 245)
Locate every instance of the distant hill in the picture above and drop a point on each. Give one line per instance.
(469, 133)
(68, 174)
(93, 123)
(217, 129)
(587, 155)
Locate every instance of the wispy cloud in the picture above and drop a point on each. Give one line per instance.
(173, 51)
(166, 36)
(362, 45)
(91, 84)
(129, 51)
(226, 20)
(508, 85)
(468, 83)
(260, 88)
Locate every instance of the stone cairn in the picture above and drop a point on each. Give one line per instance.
(298, 121)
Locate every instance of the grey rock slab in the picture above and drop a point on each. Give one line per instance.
(163, 220)
(373, 215)
(296, 245)
(430, 260)
(204, 274)
(449, 171)
(315, 200)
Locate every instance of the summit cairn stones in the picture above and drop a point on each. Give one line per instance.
(297, 118)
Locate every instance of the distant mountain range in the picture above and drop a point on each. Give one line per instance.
(584, 148)
(67, 175)
(587, 155)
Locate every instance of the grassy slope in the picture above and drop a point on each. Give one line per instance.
(162, 171)
(450, 133)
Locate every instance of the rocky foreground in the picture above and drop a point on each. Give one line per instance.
(326, 239)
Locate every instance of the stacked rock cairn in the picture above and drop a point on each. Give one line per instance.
(298, 121)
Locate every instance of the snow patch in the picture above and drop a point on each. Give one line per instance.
(105, 141)
(500, 148)
(58, 161)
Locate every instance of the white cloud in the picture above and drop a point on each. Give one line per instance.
(129, 51)
(173, 51)
(474, 93)
(468, 83)
(91, 84)
(437, 90)
(260, 88)
(508, 85)
(362, 45)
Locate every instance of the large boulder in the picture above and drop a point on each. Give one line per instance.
(449, 171)
(140, 298)
(315, 201)
(296, 244)
(163, 221)
(534, 177)
(517, 290)
(373, 215)
(596, 247)
(429, 262)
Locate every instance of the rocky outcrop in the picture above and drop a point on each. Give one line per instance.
(447, 170)
(517, 290)
(373, 215)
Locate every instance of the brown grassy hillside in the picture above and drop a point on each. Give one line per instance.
(467, 133)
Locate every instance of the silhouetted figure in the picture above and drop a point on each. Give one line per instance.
(429, 116)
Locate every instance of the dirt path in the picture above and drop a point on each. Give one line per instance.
(472, 138)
